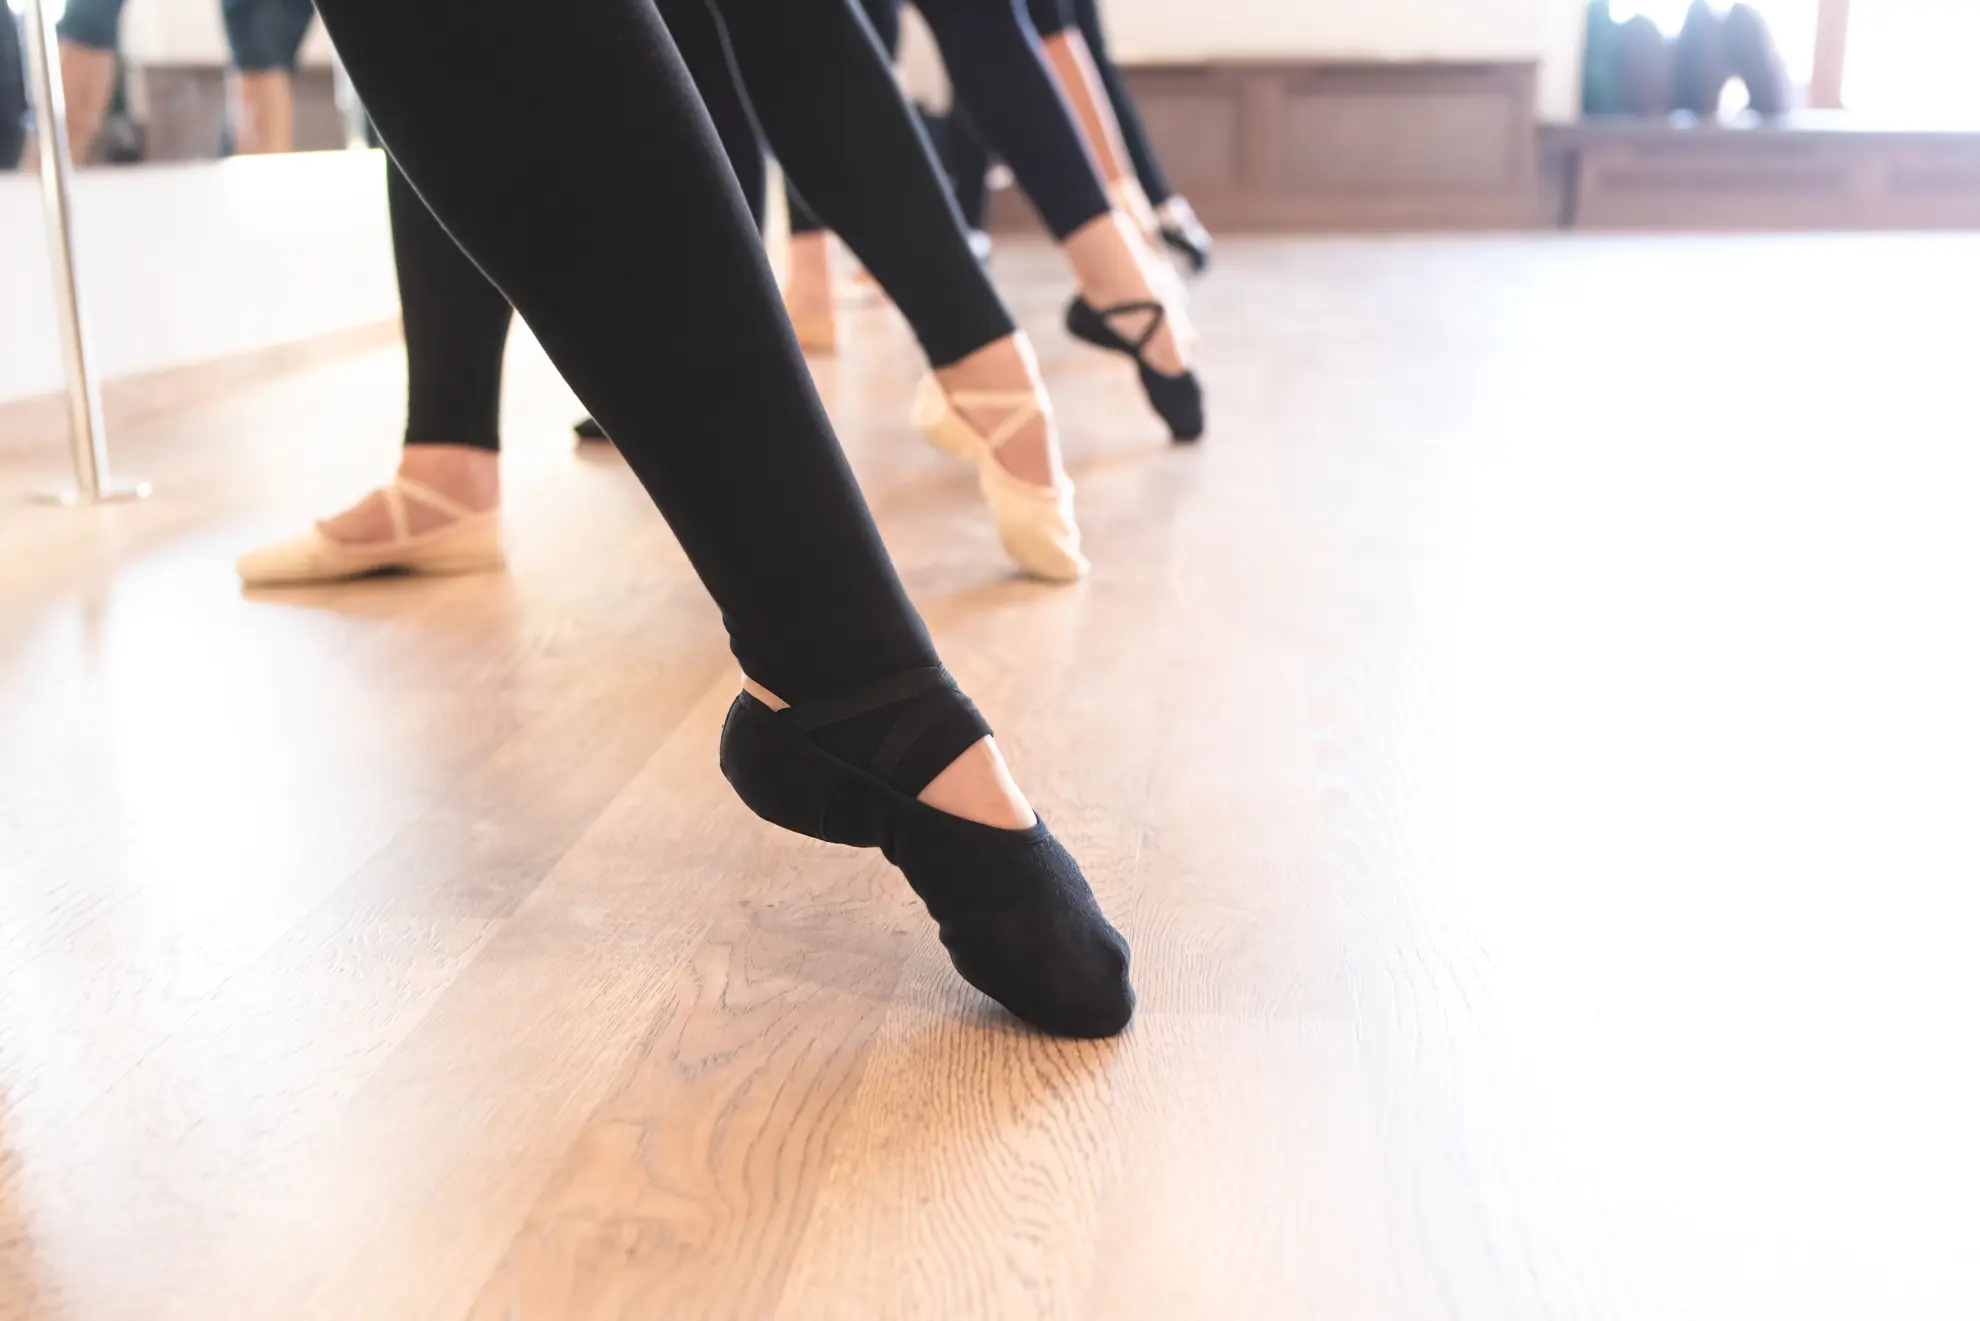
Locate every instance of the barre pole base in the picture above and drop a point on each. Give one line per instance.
(120, 494)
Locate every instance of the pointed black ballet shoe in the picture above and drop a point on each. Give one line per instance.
(1195, 254)
(1184, 234)
(1017, 917)
(587, 428)
(1178, 399)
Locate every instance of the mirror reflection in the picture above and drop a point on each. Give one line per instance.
(176, 80)
(13, 89)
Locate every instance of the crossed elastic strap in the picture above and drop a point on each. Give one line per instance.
(1129, 309)
(929, 700)
(1023, 405)
(405, 488)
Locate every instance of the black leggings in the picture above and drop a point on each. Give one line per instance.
(884, 17)
(825, 98)
(1010, 98)
(865, 161)
(626, 244)
(457, 323)
(1054, 16)
(968, 162)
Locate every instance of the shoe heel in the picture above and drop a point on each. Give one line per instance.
(783, 779)
(1085, 323)
(938, 423)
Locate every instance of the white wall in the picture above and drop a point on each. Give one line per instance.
(185, 263)
(1547, 30)
(1398, 29)
(1155, 31)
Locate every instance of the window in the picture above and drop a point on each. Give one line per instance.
(1793, 22)
(1906, 61)
(1912, 60)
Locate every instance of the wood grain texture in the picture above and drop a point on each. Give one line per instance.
(1529, 744)
(140, 403)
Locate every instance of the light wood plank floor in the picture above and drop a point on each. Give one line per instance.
(1532, 745)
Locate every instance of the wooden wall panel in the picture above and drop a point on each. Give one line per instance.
(1397, 142)
(1201, 135)
(1817, 174)
(1342, 146)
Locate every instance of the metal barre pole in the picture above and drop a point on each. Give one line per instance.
(85, 406)
(348, 105)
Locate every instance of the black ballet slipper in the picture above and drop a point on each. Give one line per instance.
(1017, 917)
(1179, 398)
(1184, 234)
(1194, 249)
(587, 429)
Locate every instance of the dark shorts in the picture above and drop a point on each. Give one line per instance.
(1051, 17)
(90, 23)
(13, 92)
(265, 35)
(262, 35)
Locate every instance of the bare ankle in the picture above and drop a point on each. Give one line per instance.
(977, 786)
(808, 282)
(763, 695)
(467, 474)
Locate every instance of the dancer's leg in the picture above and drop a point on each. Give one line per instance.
(88, 32)
(808, 294)
(969, 168)
(1175, 219)
(264, 114)
(631, 254)
(809, 298)
(13, 92)
(824, 92)
(1070, 33)
(1001, 77)
(884, 17)
(1065, 47)
(704, 49)
(1127, 119)
(456, 327)
(1013, 99)
(825, 95)
(264, 38)
(698, 36)
(629, 251)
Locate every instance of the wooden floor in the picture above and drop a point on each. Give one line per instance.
(1533, 745)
